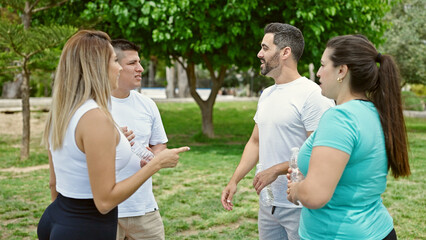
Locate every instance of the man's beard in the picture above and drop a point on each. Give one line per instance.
(273, 63)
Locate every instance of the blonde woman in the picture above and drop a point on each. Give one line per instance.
(86, 149)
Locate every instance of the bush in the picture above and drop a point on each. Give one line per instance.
(410, 101)
(418, 89)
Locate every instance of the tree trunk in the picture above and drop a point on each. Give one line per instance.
(13, 89)
(26, 16)
(25, 91)
(206, 107)
(207, 118)
(25, 150)
(183, 88)
(152, 71)
(248, 90)
(206, 112)
(311, 72)
(170, 77)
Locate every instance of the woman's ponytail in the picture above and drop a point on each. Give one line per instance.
(378, 77)
(387, 99)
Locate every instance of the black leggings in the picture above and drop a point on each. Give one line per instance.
(72, 219)
(391, 235)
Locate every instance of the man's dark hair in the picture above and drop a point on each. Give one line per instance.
(124, 45)
(121, 45)
(286, 35)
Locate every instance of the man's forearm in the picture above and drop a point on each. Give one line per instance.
(248, 161)
(158, 148)
(281, 168)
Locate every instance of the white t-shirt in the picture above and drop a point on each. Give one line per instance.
(285, 113)
(72, 177)
(140, 114)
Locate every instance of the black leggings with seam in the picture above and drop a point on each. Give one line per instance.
(391, 235)
(69, 218)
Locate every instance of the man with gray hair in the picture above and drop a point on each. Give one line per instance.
(287, 113)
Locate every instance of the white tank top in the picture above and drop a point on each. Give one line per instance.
(72, 177)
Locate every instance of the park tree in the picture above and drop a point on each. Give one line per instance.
(26, 43)
(406, 39)
(218, 35)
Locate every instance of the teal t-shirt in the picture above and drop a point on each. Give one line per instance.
(355, 210)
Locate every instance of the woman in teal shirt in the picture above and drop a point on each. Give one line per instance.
(346, 160)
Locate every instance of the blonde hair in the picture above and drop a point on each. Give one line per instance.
(82, 74)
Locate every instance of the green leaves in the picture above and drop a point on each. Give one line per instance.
(227, 32)
(231, 30)
(320, 20)
(34, 40)
(406, 39)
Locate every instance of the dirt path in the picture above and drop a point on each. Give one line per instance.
(11, 124)
(25, 169)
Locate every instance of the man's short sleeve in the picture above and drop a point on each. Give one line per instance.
(158, 134)
(315, 106)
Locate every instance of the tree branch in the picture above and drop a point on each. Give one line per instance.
(35, 52)
(12, 44)
(176, 58)
(192, 79)
(222, 74)
(33, 5)
(53, 44)
(49, 6)
(217, 83)
(209, 67)
(10, 67)
(17, 6)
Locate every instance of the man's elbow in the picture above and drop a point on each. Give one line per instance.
(52, 184)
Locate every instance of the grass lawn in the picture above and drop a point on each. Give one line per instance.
(189, 195)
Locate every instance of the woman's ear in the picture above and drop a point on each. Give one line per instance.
(343, 71)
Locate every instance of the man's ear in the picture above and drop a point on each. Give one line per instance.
(286, 53)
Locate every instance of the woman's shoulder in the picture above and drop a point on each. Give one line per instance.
(339, 111)
(93, 115)
(86, 106)
(95, 118)
(350, 112)
(356, 107)
(96, 124)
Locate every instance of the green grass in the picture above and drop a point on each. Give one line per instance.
(405, 198)
(189, 195)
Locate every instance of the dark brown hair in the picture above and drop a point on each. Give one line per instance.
(124, 45)
(121, 45)
(286, 35)
(376, 75)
